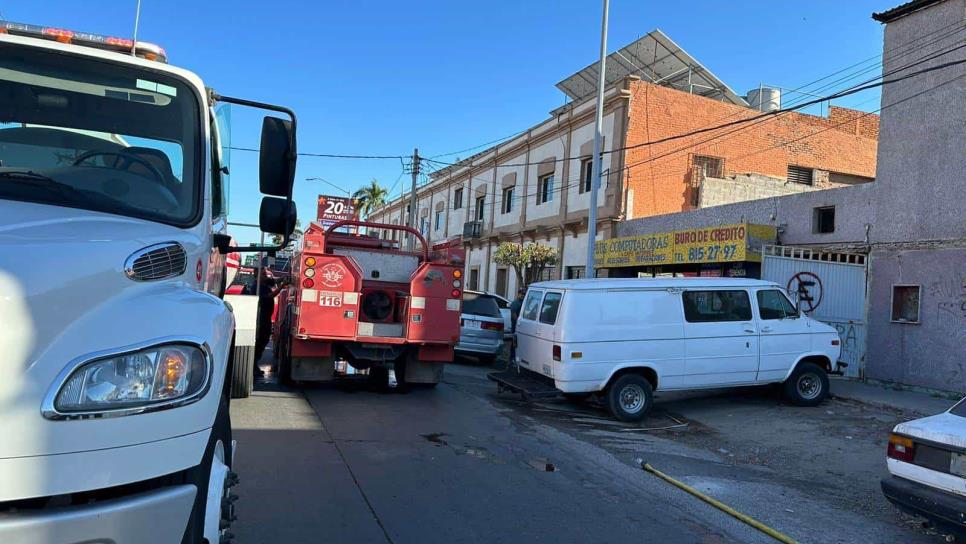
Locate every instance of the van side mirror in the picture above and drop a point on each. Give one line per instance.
(276, 159)
(277, 216)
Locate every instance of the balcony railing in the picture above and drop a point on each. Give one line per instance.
(472, 229)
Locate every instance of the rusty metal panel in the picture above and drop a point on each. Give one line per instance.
(829, 287)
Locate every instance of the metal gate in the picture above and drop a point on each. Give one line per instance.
(829, 287)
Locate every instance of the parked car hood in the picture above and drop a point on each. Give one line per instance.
(944, 428)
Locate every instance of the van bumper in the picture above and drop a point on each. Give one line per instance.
(154, 517)
(567, 377)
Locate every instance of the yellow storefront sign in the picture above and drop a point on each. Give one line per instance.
(722, 244)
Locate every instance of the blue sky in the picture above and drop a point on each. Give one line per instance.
(382, 77)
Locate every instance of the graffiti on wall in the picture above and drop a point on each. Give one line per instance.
(950, 295)
(809, 290)
(849, 334)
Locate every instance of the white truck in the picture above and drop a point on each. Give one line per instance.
(117, 345)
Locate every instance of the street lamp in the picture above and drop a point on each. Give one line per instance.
(323, 180)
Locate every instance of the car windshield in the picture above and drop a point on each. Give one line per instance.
(483, 305)
(959, 409)
(97, 135)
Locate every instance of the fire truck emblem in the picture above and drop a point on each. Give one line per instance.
(332, 275)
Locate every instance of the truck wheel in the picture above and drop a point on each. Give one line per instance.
(242, 374)
(213, 510)
(630, 397)
(285, 362)
(807, 386)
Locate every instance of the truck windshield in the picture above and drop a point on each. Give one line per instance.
(98, 135)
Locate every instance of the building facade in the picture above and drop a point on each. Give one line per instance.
(885, 262)
(535, 187)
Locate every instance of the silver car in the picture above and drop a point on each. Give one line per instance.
(481, 327)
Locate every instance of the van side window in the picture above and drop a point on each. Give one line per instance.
(531, 305)
(712, 306)
(548, 312)
(772, 304)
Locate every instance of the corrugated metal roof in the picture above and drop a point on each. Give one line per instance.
(655, 58)
(905, 9)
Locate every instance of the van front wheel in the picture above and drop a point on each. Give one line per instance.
(630, 397)
(807, 386)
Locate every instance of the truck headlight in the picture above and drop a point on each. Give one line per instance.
(132, 382)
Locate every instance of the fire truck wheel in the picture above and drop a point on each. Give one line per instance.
(285, 362)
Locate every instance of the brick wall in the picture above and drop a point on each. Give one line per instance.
(659, 174)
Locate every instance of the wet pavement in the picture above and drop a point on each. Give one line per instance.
(461, 463)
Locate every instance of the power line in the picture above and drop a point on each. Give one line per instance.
(484, 144)
(851, 91)
(329, 155)
(780, 144)
(799, 105)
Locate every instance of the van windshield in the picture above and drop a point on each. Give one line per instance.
(97, 135)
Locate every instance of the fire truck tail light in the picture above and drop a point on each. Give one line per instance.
(308, 283)
(309, 272)
(310, 261)
(457, 284)
(455, 293)
(457, 273)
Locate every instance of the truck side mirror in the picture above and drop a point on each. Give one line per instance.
(276, 160)
(277, 216)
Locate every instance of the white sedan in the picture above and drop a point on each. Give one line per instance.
(927, 466)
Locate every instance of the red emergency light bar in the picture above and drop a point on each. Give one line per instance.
(144, 50)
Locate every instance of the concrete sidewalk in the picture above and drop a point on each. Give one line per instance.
(912, 402)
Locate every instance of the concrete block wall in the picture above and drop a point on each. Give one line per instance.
(794, 214)
(743, 187)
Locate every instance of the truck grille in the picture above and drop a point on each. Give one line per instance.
(157, 262)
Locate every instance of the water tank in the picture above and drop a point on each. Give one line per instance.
(764, 98)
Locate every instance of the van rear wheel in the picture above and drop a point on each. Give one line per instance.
(807, 386)
(630, 397)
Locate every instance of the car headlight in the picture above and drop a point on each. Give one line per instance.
(133, 382)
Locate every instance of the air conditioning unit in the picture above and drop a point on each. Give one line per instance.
(472, 229)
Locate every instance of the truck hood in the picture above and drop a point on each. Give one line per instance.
(58, 264)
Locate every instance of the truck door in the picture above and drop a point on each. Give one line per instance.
(784, 334)
(720, 338)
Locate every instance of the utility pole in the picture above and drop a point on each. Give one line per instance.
(411, 240)
(595, 161)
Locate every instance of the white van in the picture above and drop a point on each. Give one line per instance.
(626, 338)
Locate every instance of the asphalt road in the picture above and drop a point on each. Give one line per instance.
(460, 463)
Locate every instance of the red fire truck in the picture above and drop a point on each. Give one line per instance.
(363, 300)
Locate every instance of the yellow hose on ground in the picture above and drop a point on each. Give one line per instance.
(720, 506)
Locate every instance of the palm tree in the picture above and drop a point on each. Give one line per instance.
(370, 197)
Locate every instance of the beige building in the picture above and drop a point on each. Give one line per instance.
(535, 187)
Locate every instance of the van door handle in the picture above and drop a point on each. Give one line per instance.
(766, 329)
(749, 329)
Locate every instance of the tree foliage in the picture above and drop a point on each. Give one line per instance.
(527, 260)
(370, 198)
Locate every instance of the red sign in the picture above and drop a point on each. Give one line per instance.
(336, 208)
